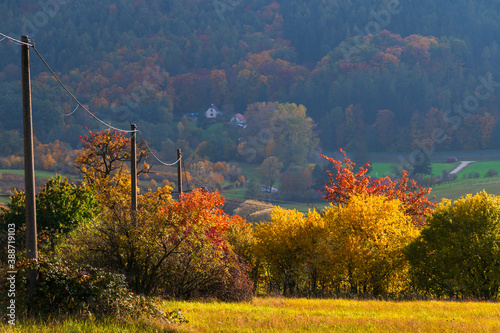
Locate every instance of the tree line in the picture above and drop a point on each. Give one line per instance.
(378, 237)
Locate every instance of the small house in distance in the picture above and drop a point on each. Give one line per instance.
(238, 120)
(213, 112)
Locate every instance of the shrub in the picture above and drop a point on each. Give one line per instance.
(428, 181)
(457, 254)
(60, 207)
(473, 175)
(344, 183)
(205, 263)
(174, 249)
(491, 173)
(68, 289)
(168, 248)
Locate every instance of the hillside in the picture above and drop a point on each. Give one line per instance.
(374, 76)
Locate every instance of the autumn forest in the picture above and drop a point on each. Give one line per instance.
(373, 76)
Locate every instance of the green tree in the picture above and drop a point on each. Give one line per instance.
(60, 207)
(457, 253)
(424, 167)
(270, 171)
(297, 140)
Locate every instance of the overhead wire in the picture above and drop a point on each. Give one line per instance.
(154, 155)
(68, 114)
(75, 99)
(79, 104)
(17, 41)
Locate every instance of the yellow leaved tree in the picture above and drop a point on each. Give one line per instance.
(287, 246)
(364, 245)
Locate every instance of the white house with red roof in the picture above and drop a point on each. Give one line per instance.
(238, 120)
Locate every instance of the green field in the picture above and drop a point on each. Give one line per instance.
(481, 167)
(275, 314)
(453, 190)
(38, 174)
(459, 187)
(384, 169)
(6, 188)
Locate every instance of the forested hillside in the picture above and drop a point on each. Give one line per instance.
(373, 75)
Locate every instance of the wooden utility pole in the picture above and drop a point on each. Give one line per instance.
(179, 172)
(29, 166)
(133, 165)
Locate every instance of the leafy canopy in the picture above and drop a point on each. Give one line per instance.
(364, 244)
(458, 252)
(344, 183)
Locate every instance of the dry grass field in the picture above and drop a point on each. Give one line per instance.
(274, 314)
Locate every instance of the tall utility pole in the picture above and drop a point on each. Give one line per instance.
(29, 165)
(179, 172)
(133, 165)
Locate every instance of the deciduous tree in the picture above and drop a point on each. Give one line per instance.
(104, 153)
(345, 182)
(364, 244)
(457, 254)
(270, 171)
(288, 247)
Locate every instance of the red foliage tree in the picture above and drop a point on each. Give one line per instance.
(345, 182)
(206, 261)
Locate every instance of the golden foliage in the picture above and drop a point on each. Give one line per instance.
(364, 243)
(288, 247)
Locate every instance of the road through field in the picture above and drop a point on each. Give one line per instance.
(463, 165)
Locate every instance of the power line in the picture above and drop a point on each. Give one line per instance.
(156, 157)
(68, 114)
(62, 84)
(75, 99)
(16, 40)
(79, 104)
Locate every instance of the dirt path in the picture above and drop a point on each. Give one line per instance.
(462, 166)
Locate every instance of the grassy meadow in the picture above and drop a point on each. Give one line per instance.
(11, 179)
(274, 314)
(459, 187)
(384, 169)
(38, 174)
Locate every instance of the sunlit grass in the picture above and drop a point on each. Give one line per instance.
(303, 315)
(275, 314)
(74, 324)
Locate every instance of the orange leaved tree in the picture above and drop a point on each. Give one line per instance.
(105, 152)
(206, 261)
(344, 182)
